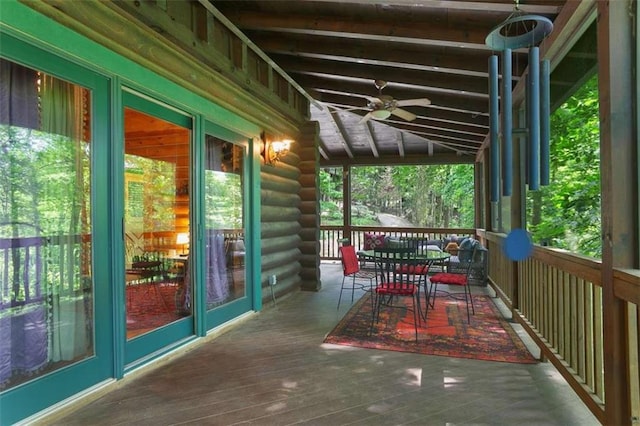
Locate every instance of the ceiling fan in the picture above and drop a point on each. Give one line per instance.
(383, 106)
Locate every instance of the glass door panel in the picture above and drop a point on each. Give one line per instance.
(225, 246)
(156, 222)
(46, 291)
(54, 298)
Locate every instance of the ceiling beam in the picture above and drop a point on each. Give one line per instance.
(457, 5)
(463, 109)
(413, 159)
(335, 119)
(324, 114)
(368, 134)
(424, 78)
(401, 144)
(435, 117)
(368, 27)
(434, 58)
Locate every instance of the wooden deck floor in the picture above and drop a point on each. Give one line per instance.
(273, 369)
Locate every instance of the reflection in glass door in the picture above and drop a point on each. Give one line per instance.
(156, 222)
(225, 272)
(55, 316)
(46, 284)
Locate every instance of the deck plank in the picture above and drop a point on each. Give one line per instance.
(273, 369)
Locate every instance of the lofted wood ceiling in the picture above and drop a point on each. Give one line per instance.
(432, 49)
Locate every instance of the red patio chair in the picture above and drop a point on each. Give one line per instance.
(395, 278)
(351, 269)
(456, 276)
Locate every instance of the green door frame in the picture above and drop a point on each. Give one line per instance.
(38, 41)
(148, 346)
(251, 201)
(36, 395)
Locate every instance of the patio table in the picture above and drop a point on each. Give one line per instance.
(429, 257)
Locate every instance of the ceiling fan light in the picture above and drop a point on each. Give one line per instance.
(380, 114)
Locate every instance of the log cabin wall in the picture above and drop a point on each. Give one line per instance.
(309, 208)
(280, 201)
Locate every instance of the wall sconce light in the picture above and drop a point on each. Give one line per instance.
(182, 239)
(275, 150)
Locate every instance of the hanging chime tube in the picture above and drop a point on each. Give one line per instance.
(534, 119)
(507, 123)
(545, 111)
(494, 145)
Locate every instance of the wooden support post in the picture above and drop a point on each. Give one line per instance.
(346, 202)
(619, 194)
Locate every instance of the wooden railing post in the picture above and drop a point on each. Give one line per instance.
(617, 95)
(346, 203)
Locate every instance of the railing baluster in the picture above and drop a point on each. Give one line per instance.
(25, 275)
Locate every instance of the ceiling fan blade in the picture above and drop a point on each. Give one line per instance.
(414, 102)
(399, 112)
(373, 99)
(365, 118)
(350, 109)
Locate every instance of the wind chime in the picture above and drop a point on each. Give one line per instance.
(519, 31)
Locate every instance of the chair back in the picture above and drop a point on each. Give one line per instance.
(349, 259)
(395, 266)
(466, 259)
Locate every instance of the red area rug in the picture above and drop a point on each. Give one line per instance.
(151, 305)
(446, 333)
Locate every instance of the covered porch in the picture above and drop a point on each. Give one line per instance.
(274, 369)
(555, 296)
(580, 313)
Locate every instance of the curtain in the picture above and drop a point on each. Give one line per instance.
(18, 95)
(23, 326)
(216, 267)
(45, 229)
(63, 112)
(217, 283)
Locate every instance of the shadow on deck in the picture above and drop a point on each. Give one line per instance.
(274, 369)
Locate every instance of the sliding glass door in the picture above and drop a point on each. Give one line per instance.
(55, 322)
(157, 285)
(227, 292)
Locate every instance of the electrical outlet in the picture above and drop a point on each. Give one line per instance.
(273, 280)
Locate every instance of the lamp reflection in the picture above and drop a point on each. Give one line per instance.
(182, 239)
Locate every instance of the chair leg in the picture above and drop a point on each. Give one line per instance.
(353, 288)
(428, 286)
(374, 311)
(469, 300)
(466, 300)
(341, 288)
(416, 315)
(434, 292)
(372, 293)
(417, 296)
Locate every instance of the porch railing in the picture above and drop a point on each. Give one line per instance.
(332, 236)
(29, 264)
(557, 297)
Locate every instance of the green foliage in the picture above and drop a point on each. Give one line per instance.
(330, 182)
(424, 195)
(566, 214)
(223, 200)
(46, 183)
(150, 194)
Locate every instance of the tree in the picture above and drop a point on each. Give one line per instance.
(566, 213)
(435, 196)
